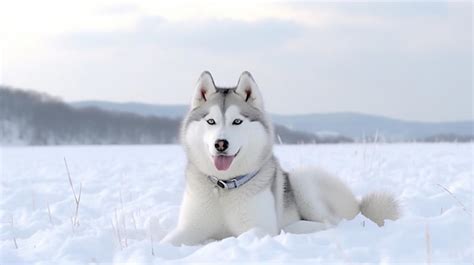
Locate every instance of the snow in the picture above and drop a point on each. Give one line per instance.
(135, 191)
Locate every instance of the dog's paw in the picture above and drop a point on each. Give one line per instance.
(156, 229)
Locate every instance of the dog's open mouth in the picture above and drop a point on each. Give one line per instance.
(223, 162)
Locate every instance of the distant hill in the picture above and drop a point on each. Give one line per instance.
(27, 117)
(170, 111)
(31, 118)
(363, 126)
(357, 126)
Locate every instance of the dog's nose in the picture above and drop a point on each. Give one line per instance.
(221, 145)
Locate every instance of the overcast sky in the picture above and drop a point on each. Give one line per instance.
(403, 60)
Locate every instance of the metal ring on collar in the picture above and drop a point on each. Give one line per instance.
(222, 184)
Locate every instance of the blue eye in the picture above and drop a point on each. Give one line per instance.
(211, 122)
(237, 122)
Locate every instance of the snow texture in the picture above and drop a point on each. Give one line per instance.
(130, 199)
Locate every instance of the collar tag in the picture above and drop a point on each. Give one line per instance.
(221, 184)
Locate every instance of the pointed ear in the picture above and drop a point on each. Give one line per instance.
(248, 90)
(204, 87)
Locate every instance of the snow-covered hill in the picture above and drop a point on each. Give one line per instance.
(130, 198)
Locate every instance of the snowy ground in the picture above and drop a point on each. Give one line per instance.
(128, 191)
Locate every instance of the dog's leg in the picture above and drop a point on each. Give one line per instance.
(304, 227)
(198, 221)
(258, 211)
(322, 197)
(185, 236)
(178, 237)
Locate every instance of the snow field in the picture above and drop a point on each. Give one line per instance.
(130, 199)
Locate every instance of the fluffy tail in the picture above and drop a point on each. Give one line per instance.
(379, 206)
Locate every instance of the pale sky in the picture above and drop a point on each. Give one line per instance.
(408, 60)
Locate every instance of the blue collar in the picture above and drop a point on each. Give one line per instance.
(232, 183)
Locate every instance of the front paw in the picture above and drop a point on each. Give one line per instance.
(173, 238)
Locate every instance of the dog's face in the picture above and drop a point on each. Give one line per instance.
(227, 133)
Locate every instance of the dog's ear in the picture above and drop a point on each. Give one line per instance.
(205, 87)
(248, 90)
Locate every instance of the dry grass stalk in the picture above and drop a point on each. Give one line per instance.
(77, 199)
(50, 215)
(456, 199)
(134, 221)
(428, 244)
(117, 226)
(76, 217)
(70, 180)
(117, 234)
(151, 240)
(13, 234)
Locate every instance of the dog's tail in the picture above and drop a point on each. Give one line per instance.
(379, 206)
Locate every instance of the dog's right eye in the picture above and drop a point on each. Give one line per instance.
(211, 122)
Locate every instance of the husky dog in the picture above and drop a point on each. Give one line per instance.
(234, 182)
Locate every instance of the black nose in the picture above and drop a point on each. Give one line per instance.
(221, 145)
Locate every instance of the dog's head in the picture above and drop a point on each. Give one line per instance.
(227, 133)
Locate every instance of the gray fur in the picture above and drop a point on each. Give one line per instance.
(224, 98)
(287, 191)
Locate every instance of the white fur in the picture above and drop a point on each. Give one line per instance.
(379, 206)
(202, 136)
(207, 213)
(318, 200)
(322, 197)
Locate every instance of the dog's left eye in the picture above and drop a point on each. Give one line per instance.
(211, 122)
(237, 122)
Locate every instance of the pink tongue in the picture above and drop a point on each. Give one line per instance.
(223, 162)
